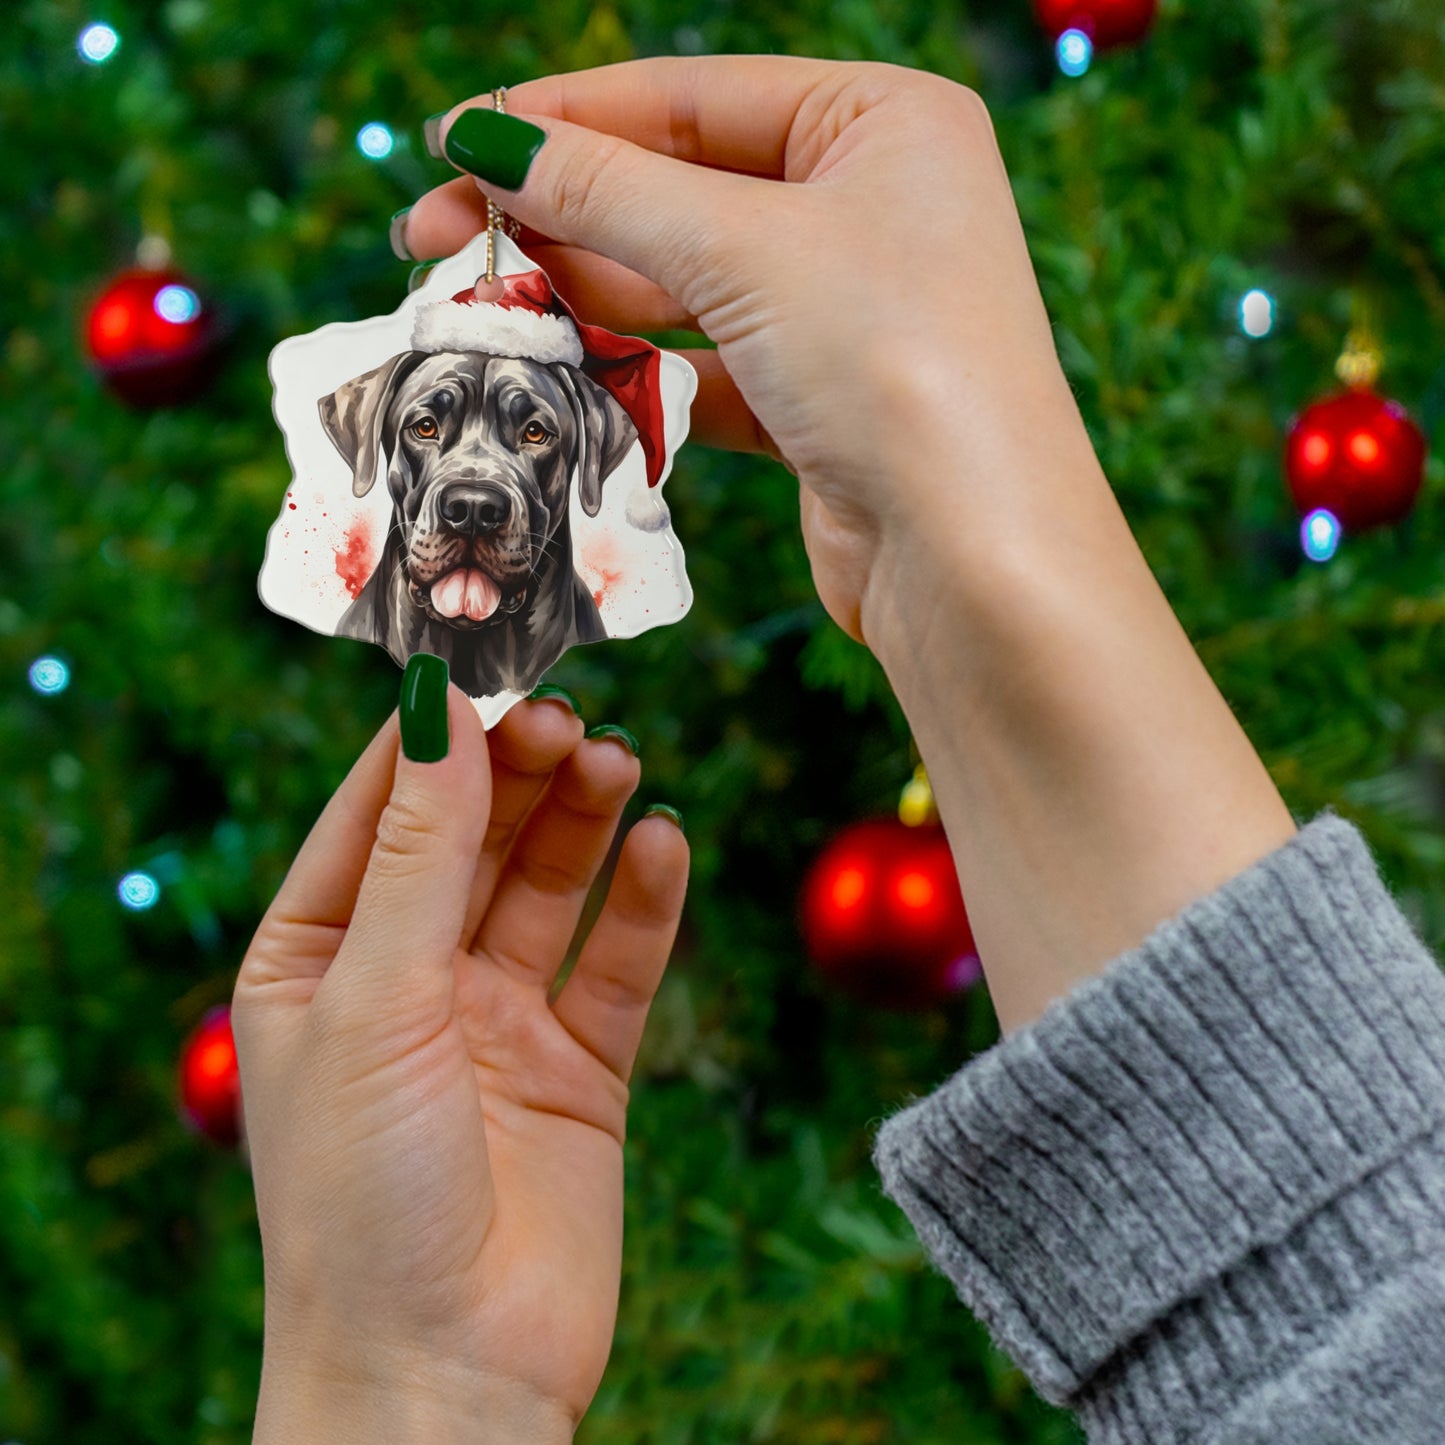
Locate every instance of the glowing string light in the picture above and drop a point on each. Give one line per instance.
(1320, 535)
(1075, 52)
(97, 43)
(375, 141)
(1256, 313)
(138, 891)
(49, 675)
(177, 304)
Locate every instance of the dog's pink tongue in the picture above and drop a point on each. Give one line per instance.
(466, 590)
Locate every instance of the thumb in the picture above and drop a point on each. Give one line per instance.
(396, 960)
(666, 219)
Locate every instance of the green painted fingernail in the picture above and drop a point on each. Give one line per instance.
(549, 689)
(612, 730)
(397, 235)
(665, 811)
(424, 734)
(498, 148)
(431, 133)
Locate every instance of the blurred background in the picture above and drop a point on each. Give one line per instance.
(1223, 201)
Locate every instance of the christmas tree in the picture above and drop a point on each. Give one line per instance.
(1212, 211)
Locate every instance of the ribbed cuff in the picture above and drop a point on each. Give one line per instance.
(1192, 1140)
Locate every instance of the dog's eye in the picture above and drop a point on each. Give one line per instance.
(534, 431)
(425, 427)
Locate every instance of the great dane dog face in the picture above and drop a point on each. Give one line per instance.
(479, 454)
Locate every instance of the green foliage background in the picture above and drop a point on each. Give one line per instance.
(771, 1293)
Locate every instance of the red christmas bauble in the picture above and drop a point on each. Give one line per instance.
(1359, 456)
(152, 338)
(1107, 23)
(210, 1081)
(883, 917)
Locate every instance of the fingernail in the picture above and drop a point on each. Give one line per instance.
(431, 133)
(397, 235)
(663, 810)
(548, 689)
(612, 730)
(498, 148)
(419, 273)
(424, 734)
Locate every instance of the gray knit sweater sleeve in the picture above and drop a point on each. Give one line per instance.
(1202, 1199)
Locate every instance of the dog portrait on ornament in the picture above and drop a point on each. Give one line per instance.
(478, 478)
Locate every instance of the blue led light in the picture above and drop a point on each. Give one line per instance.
(1256, 313)
(49, 675)
(97, 44)
(375, 140)
(177, 304)
(1075, 51)
(1319, 535)
(138, 891)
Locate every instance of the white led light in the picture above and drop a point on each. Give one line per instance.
(375, 140)
(1320, 535)
(138, 891)
(177, 304)
(1075, 51)
(97, 44)
(49, 675)
(1256, 313)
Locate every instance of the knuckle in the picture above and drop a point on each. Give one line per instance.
(576, 195)
(553, 877)
(407, 834)
(617, 990)
(974, 110)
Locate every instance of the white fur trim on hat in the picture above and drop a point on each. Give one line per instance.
(496, 330)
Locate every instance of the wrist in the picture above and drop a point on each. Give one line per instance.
(1092, 779)
(980, 531)
(407, 1401)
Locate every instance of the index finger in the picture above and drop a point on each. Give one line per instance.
(733, 112)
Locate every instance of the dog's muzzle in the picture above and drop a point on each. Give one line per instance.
(476, 566)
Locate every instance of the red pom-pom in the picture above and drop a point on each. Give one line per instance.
(210, 1081)
(883, 917)
(1107, 23)
(152, 338)
(1357, 455)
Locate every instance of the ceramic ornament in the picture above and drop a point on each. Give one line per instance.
(478, 475)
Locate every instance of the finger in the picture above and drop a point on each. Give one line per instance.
(558, 852)
(605, 1001)
(659, 217)
(299, 934)
(604, 293)
(735, 112)
(443, 220)
(526, 747)
(597, 288)
(395, 963)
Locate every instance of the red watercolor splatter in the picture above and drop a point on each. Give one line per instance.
(600, 557)
(292, 505)
(609, 579)
(354, 563)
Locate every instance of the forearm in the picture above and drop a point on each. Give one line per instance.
(1092, 779)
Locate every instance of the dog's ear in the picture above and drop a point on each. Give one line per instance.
(352, 416)
(605, 434)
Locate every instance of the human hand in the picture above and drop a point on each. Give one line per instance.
(437, 1150)
(877, 319)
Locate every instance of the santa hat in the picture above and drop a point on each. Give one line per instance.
(531, 322)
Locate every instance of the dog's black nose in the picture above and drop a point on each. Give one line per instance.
(474, 509)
